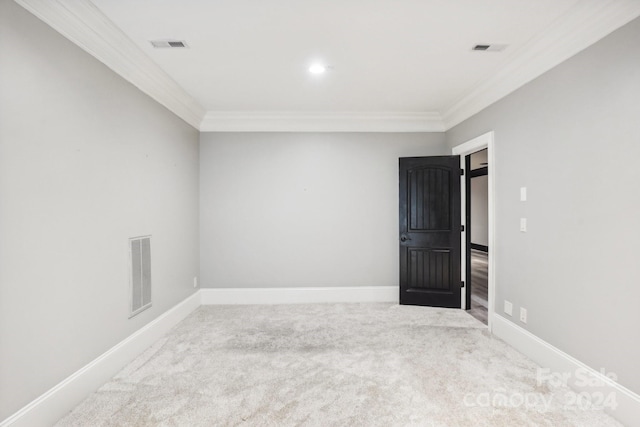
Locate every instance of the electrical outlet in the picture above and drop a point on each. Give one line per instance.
(523, 315)
(523, 225)
(508, 308)
(195, 282)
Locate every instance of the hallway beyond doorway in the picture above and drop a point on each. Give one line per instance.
(479, 281)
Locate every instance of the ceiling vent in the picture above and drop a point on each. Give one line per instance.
(168, 43)
(490, 47)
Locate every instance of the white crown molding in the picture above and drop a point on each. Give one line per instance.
(85, 25)
(289, 121)
(584, 24)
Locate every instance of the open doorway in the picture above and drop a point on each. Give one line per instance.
(478, 234)
(479, 258)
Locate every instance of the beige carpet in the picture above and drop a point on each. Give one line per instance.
(330, 365)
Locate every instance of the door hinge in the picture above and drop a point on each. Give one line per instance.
(461, 172)
(462, 284)
(462, 228)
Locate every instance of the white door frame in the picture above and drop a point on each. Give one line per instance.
(476, 144)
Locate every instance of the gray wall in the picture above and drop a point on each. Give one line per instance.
(480, 210)
(572, 137)
(86, 161)
(303, 209)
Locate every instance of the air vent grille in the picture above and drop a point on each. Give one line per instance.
(140, 256)
(169, 43)
(490, 47)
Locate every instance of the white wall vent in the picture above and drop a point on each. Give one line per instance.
(168, 43)
(140, 262)
(490, 47)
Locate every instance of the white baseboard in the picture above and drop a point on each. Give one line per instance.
(559, 362)
(55, 403)
(218, 296)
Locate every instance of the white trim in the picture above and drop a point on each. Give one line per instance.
(55, 403)
(217, 296)
(85, 25)
(583, 25)
(476, 144)
(548, 356)
(292, 121)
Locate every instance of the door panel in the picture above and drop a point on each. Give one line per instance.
(430, 231)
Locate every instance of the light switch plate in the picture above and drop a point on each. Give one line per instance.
(508, 308)
(523, 194)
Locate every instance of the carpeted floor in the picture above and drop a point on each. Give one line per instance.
(330, 365)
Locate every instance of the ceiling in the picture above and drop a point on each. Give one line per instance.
(388, 55)
(401, 65)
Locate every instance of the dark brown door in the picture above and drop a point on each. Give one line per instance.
(430, 231)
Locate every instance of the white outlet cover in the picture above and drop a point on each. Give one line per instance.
(523, 194)
(523, 315)
(508, 308)
(523, 225)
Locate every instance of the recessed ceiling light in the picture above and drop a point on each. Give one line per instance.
(317, 69)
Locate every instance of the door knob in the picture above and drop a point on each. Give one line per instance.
(404, 238)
